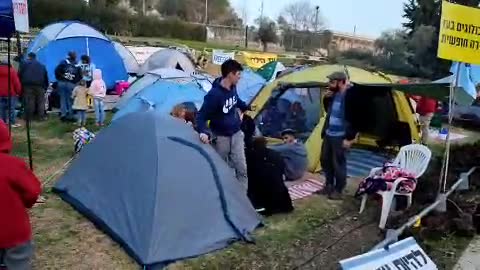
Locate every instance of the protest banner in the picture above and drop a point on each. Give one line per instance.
(459, 37)
(142, 53)
(220, 56)
(257, 60)
(20, 15)
(403, 255)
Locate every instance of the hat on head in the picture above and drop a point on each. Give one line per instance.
(288, 131)
(337, 76)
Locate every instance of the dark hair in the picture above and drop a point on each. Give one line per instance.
(85, 58)
(230, 66)
(32, 55)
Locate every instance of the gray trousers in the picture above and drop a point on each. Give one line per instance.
(334, 163)
(34, 98)
(232, 150)
(17, 258)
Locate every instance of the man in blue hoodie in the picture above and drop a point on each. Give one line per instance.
(68, 74)
(221, 106)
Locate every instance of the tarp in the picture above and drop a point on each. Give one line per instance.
(168, 58)
(164, 74)
(7, 24)
(54, 42)
(128, 184)
(162, 97)
(270, 70)
(249, 85)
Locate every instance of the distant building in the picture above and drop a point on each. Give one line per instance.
(346, 41)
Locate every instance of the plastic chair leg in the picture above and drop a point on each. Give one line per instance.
(409, 201)
(387, 200)
(364, 202)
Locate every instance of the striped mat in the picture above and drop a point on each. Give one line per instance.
(304, 189)
(360, 162)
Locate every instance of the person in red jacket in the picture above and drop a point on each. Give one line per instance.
(426, 108)
(19, 190)
(15, 92)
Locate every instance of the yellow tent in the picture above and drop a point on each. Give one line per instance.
(303, 88)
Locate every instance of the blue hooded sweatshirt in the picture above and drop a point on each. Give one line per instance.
(220, 107)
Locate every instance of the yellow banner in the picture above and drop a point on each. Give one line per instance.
(257, 60)
(459, 38)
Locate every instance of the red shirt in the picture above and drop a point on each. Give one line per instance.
(426, 106)
(19, 190)
(15, 86)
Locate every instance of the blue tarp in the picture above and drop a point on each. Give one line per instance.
(54, 42)
(249, 85)
(128, 184)
(7, 24)
(162, 96)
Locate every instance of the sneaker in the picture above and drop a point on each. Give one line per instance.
(16, 125)
(97, 124)
(259, 210)
(335, 196)
(326, 191)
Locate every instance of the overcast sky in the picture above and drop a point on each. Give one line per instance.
(371, 17)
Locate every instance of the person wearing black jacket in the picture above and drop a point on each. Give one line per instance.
(68, 74)
(34, 79)
(339, 133)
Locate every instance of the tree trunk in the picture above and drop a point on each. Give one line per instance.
(265, 46)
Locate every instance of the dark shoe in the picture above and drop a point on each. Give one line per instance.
(335, 196)
(326, 191)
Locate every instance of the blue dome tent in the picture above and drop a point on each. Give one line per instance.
(161, 97)
(54, 42)
(249, 85)
(7, 24)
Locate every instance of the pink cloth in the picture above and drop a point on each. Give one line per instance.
(121, 87)
(97, 89)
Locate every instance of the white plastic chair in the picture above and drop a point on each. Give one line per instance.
(413, 158)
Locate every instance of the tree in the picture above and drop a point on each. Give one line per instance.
(267, 32)
(301, 15)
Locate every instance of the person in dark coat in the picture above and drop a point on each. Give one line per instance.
(34, 78)
(68, 74)
(265, 168)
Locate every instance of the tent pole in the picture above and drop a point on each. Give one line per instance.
(9, 105)
(27, 116)
(446, 156)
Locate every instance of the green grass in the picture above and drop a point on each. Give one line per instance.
(66, 240)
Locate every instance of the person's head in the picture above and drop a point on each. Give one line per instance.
(97, 74)
(82, 83)
(260, 143)
(85, 59)
(288, 136)
(231, 71)
(31, 56)
(72, 56)
(5, 139)
(179, 111)
(337, 81)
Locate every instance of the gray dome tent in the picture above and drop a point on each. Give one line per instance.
(128, 184)
(168, 58)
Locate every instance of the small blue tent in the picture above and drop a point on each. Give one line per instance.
(54, 42)
(128, 184)
(7, 24)
(161, 97)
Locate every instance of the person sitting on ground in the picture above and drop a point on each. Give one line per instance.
(294, 155)
(19, 189)
(80, 104)
(98, 90)
(7, 112)
(265, 169)
(34, 78)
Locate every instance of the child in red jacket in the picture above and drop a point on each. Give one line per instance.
(19, 190)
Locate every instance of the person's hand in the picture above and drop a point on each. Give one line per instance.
(204, 138)
(347, 144)
(329, 93)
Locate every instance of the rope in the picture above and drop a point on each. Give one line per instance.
(52, 176)
(318, 253)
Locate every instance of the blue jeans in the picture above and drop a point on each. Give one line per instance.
(81, 116)
(65, 90)
(99, 110)
(4, 109)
